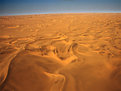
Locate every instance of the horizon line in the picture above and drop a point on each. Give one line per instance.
(19, 14)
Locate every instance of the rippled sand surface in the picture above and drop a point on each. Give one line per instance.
(60, 52)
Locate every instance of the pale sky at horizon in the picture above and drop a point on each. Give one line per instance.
(21, 7)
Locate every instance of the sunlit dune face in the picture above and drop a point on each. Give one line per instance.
(60, 52)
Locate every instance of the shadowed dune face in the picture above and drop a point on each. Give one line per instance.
(60, 52)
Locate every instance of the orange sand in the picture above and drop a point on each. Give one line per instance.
(60, 52)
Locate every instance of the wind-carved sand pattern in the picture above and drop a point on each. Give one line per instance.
(60, 52)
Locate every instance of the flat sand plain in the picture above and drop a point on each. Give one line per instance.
(60, 52)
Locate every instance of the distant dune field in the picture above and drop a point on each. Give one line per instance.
(60, 52)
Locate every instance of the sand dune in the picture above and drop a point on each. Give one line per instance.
(60, 52)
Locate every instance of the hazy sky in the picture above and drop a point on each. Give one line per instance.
(14, 7)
